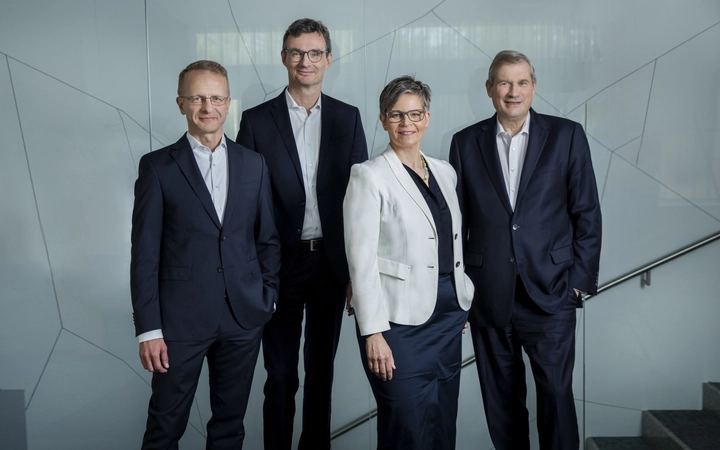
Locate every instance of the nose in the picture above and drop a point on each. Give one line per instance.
(405, 119)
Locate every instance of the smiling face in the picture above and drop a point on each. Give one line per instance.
(512, 93)
(306, 74)
(406, 135)
(204, 120)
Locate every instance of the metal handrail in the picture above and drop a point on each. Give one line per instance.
(371, 414)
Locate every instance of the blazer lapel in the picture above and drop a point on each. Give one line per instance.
(183, 155)
(279, 112)
(407, 183)
(536, 142)
(487, 141)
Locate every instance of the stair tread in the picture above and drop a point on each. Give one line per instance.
(699, 430)
(621, 443)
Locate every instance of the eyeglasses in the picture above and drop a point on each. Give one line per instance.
(215, 100)
(298, 55)
(416, 115)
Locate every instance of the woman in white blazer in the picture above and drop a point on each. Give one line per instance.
(410, 292)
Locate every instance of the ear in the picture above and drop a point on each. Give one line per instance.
(180, 104)
(382, 121)
(488, 88)
(329, 59)
(427, 119)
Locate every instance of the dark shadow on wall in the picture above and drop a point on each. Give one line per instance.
(13, 431)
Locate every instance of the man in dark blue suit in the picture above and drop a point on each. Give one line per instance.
(531, 219)
(309, 141)
(205, 264)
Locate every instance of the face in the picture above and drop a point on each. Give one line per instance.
(306, 74)
(406, 135)
(204, 120)
(512, 92)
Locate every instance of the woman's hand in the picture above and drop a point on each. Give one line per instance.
(379, 355)
(465, 327)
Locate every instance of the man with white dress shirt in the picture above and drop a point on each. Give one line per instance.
(310, 141)
(204, 266)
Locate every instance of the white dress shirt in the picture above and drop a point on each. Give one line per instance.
(214, 170)
(306, 129)
(511, 151)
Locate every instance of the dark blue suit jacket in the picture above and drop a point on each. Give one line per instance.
(266, 129)
(552, 239)
(184, 261)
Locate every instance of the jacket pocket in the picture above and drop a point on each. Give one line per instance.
(473, 259)
(394, 269)
(562, 254)
(174, 273)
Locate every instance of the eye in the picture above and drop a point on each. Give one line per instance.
(295, 54)
(394, 116)
(415, 115)
(314, 54)
(195, 99)
(216, 99)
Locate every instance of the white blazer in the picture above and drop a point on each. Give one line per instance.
(392, 246)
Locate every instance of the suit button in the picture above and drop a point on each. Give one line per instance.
(222, 238)
(299, 231)
(302, 203)
(457, 264)
(515, 226)
(512, 259)
(220, 269)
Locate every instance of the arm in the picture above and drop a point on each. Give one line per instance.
(267, 240)
(456, 163)
(245, 134)
(145, 259)
(359, 151)
(361, 218)
(585, 215)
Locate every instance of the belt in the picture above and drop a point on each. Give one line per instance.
(314, 245)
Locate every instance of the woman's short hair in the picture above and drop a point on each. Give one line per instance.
(406, 84)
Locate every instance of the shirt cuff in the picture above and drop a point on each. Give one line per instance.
(147, 336)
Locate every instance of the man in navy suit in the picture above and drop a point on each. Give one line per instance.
(204, 269)
(532, 224)
(309, 141)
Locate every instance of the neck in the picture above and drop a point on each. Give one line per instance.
(410, 157)
(305, 97)
(514, 126)
(211, 141)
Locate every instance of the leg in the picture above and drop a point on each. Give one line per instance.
(501, 371)
(281, 344)
(324, 308)
(231, 365)
(549, 341)
(407, 404)
(173, 393)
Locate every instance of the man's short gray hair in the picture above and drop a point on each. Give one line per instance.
(406, 84)
(508, 57)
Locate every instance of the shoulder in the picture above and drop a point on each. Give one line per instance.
(476, 129)
(266, 106)
(442, 167)
(553, 122)
(248, 155)
(335, 104)
(162, 154)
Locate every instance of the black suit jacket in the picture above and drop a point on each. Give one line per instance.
(266, 129)
(552, 239)
(184, 262)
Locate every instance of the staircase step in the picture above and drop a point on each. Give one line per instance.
(711, 398)
(681, 429)
(616, 443)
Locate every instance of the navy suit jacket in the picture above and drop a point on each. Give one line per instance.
(184, 261)
(551, 239)
(266, 129)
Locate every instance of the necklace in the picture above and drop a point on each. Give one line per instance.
(425, 177)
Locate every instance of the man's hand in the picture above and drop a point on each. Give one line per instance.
(577, 293)
(465, 327)
(153, 355)
(348, 307)
(379, 355)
